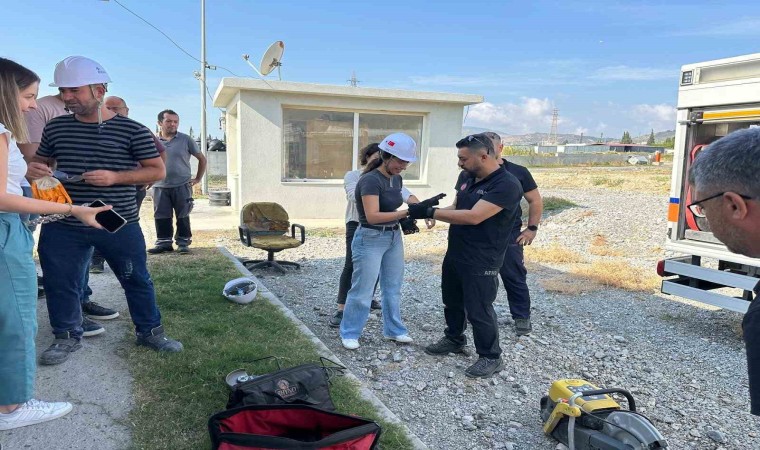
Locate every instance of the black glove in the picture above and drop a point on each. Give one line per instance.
(421, 211)
(432, 201)
(408, 225)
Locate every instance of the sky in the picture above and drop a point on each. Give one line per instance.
(608, 66)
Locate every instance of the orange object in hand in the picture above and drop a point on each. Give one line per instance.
(50, 189)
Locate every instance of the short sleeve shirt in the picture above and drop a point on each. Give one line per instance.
(387, 189)
(526, 180)
(178, 151)
(16, 164)
(78, 147)
(483, 245)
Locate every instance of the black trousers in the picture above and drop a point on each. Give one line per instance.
(751, 331)
(348, 265)
(168, 202)
(514, 276)
(468, 294)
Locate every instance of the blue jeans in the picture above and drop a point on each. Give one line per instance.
(374, 253)
(18, 311)
(65, 253)
(25, 218)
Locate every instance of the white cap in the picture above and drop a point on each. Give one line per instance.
(400, 145)
(78, 71)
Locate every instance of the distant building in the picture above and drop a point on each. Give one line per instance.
(292, 143)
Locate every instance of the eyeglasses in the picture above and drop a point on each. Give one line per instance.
(472, 137)
(696, 207)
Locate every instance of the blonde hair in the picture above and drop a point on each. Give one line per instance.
(13, 79)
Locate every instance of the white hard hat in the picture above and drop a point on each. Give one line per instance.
(241, 290)
(400, 145)
(78, 71)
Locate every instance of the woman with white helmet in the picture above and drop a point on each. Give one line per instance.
(18, 275)
(377, 248)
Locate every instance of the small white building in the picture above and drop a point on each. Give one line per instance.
(291, 143)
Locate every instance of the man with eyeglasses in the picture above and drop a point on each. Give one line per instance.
(726, 181)
(513, 272)
(481, 218)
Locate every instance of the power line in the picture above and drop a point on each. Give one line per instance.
(208, 66)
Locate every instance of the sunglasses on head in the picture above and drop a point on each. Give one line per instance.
(472, 137)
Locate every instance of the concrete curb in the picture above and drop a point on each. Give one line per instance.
(325, 352)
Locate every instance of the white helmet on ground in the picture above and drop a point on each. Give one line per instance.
(400, 145)
(78, 71)
(241, 290)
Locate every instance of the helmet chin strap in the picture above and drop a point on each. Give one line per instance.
(100, 102)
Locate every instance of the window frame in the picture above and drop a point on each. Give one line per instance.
(422, 149)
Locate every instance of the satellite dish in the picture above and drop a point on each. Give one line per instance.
(272, 58)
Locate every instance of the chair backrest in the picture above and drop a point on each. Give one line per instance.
(265, 218)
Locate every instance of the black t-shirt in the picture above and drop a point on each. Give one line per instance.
(387, 189)
(117, 145)
(483, 245)
(526, 181)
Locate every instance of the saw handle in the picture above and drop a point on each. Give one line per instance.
(623, 392)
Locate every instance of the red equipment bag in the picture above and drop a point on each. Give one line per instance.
(264, 427)
(693, 222)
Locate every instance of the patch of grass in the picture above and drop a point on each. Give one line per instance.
(217, 181)
(176, 394)
(607, 182)
(326, 232)
(600, 247)
(618, 274)
(651, 179)
(552, 203)
(569, 285)
(553, 253)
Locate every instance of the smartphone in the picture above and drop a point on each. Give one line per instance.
(110, 220)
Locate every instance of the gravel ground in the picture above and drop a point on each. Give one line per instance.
(684, 363)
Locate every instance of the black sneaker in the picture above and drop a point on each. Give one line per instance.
(484, 367)
(95, 311)
(183, 249)
(60, 349)
(336, 319)
(375, 305)
(523, 327)
(91, 328)
(158, 341)
(160, 249)
(444, 346)
(97, 266)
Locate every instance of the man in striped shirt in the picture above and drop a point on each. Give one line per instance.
(103, 148)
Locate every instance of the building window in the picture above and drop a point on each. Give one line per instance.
(374, 128)
(319, 144)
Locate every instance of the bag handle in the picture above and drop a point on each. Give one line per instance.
(333, 370)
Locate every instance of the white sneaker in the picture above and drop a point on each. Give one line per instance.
(351, 344)
(33, 412)
(403, 339)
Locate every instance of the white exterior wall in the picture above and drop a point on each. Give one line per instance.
(255, 148)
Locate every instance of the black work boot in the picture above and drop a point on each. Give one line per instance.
(523, 327)
(157, 340)
(444, 346)
(60, 349)
(336, 319)
(160, 249)
(484, 367)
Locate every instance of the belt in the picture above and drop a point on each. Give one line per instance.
(380, 227)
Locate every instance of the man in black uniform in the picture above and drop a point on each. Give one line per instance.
(481, 218)
(513, 272)
(727, 192)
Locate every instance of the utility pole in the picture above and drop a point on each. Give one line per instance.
(353, 82)
(204, 141)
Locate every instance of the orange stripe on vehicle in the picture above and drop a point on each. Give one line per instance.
(711, 115)
(673, 210)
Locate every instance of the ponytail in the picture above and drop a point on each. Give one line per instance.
(372, 165)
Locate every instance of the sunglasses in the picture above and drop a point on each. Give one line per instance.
(472, 137)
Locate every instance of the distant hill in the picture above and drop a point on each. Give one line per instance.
(536, 138)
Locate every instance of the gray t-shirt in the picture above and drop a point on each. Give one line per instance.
(178, 151)
(387, 189)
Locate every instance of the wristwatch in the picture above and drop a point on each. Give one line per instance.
(532, 227)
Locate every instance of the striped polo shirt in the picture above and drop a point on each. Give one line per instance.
(116, 145)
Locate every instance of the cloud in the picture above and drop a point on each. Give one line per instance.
(657, 117)
(528, 116)
(626, 73)
(746, 27)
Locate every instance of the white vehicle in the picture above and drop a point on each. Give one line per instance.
(714, 99)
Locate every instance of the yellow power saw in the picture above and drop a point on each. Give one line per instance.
(584, 417)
